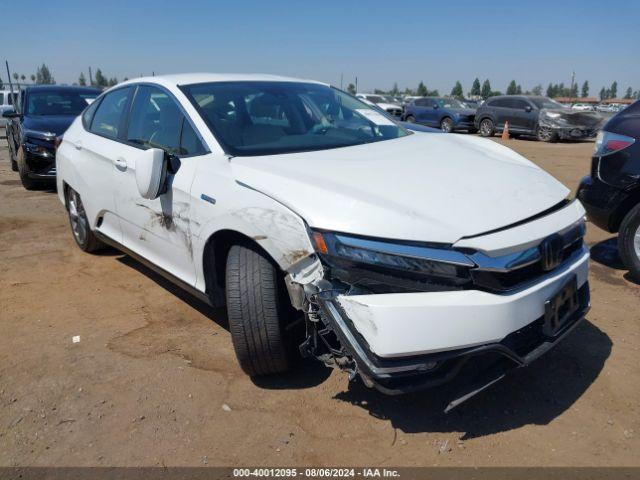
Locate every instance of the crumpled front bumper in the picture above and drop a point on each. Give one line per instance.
(412, 341)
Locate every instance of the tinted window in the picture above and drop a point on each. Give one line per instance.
(519, 104)
(157, 121)
(421, 102)
(108, 116)
(500, 102)
(61, 102)
(1, 98)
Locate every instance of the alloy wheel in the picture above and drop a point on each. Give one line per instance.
(636, 242)
(78, 217)
(447, 125)
(485, 128)
(544, 134)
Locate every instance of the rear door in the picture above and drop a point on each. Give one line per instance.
(159, 230)
(429, 112)
(96, 156)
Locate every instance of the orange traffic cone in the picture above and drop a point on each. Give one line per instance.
(505, 131)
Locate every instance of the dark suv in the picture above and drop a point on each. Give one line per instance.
(447, 114)
(43, 115)
(542, 117)
(611, 194)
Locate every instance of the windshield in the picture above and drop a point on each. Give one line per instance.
(449, 103)
(547, 103)
(267, 118)
(58, 102)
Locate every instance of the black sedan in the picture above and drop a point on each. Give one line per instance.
(45, 113)
(611, 194)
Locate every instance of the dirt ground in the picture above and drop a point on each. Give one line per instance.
(154, 380)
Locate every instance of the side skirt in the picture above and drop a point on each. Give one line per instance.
(160, 271)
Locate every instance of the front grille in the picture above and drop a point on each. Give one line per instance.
(515, 275)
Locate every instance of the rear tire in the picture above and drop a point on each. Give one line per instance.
(487, 129)
(410, 119)
(23, 171)
(80, 227)
(256, 310)
(629, 242)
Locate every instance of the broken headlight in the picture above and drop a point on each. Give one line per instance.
(381, 266)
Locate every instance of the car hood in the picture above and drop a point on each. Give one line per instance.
(571, 118)
(57, 124)
(387, 106)
(422, 187)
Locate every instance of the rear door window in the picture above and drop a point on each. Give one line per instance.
(109, 116)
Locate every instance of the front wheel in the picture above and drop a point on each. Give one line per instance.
(256, 309)
(23, 170)
(546, 134)
(486, 128)
(82, 233)
(446, 125)
(629, 242)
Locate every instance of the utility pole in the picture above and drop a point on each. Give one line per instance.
(573, 80)
(13, 96)
(356, 84)
(341, 81)
(90, 78)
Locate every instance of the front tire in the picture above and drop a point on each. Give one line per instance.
(546, 134)
(446, 125)
(23, 171)
(256, 310)
(80, 227)
(629, 242)
(487, 129)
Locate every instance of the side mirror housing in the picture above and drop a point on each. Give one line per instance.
(151, 173)
(10, 113)
(527, 108)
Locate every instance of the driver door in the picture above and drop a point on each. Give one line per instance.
(160, 229)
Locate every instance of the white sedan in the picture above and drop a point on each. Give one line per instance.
(328, 229)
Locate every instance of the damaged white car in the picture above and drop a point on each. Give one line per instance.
(328, 229)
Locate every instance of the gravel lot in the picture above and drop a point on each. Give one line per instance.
(154, 381)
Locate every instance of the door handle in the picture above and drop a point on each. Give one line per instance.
(78, 145)
(120, 163)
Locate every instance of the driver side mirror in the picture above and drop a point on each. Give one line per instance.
(151, 173)
(10, 113)
(527, 108)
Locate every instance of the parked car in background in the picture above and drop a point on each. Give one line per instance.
(611, 193)
(307, 212)
(542, 117)
(32, 132)
(583, 107)
(447, 114)
(393, 109)
(7, 101)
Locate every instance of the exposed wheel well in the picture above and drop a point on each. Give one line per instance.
(214, 261)
(624, 208)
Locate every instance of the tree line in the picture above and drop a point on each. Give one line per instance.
(484, 90)
(43, 76)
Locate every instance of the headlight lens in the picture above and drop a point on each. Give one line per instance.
(552, 114)
(383, 266)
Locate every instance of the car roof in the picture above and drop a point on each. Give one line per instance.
(194, 78)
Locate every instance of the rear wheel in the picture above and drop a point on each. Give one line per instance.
(410, 119)
(257, 311)
(629, 242)
(486, 127)
(23, 171)
(82, 233)
(446, 125)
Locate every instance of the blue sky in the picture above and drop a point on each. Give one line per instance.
(437, 42)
